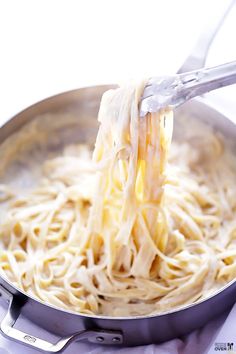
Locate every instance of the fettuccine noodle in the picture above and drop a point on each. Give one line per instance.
(139, 227)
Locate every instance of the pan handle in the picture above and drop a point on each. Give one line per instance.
(14, 311)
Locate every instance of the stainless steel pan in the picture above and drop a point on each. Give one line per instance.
(66, 118)
(78, 111)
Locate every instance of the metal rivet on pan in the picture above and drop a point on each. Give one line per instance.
(100, 339)
(115, 339)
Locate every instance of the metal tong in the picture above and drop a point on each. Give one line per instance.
(172, 91)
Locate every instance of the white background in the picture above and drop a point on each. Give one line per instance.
(50, 46)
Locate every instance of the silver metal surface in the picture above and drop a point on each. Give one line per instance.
(14, 311)
(172, 91)
(76, 112)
